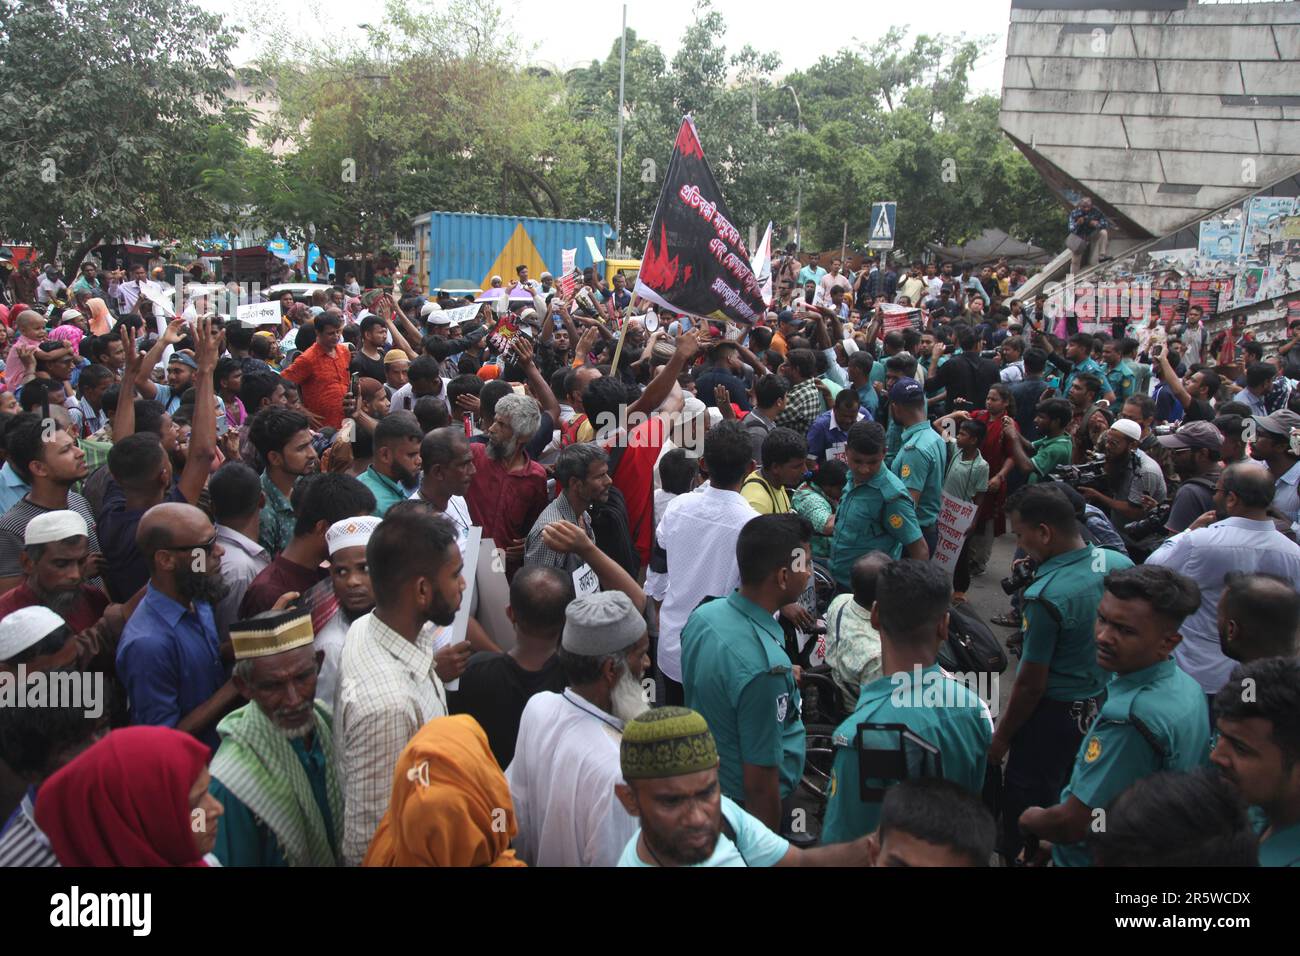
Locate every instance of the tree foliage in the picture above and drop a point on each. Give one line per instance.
(437, 110)
(111, 132)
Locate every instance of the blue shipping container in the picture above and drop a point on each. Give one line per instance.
(461, 245)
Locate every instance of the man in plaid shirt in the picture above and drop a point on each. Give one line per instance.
(582, 474)
(804, 403)
(394, 660)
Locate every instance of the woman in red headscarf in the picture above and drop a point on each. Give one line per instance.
(138, 797)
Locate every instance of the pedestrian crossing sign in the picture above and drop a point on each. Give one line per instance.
(883, 217)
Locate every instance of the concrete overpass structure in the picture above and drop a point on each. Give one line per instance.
(1162, 110)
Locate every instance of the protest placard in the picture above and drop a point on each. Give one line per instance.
(955, 519)
(258, 313)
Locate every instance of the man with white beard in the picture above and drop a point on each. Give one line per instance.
(274, 771)
(566, 761)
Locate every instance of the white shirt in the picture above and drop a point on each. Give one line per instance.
(1015, 372)
(562, 783)
(699, 533)
(656, 584)
(1206, 555)
(457, 513)
(404, 399)
(330, 640)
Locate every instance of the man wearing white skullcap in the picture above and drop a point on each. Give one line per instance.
(346, 541)
(567, 754)
(55, 547)
(23, 631)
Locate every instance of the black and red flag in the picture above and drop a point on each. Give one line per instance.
(695, 260)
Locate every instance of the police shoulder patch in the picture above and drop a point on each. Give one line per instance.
(896, 521)
(782, 707)
(905, 472)
(1093, 751)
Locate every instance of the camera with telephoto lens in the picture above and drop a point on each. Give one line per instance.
(1163, 429)
(1091, 474)
(1150, 524)
(1022, 575)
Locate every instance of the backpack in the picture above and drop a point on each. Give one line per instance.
(569, 431)
(971, 647)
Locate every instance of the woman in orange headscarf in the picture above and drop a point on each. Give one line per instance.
(451, 803)
(99, 318)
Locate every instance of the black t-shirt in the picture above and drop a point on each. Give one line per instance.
(1198, 411)
(494, 691)
(368, 367)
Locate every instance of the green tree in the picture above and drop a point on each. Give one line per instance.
(101, 105)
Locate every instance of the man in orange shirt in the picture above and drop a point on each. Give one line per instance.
(321, 372)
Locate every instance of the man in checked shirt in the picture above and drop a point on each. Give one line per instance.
(389, 686)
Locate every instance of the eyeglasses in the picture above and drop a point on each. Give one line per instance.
(205, 546)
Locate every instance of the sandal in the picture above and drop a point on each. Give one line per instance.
(1009, 619)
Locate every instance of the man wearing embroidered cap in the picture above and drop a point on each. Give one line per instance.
(670, 763)
(567, 754)
(274, 772)
(352, 598)
(396, 364)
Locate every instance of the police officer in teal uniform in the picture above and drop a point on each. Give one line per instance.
(875, 513)
(1257, 714)
(911, 614)
(1059, 683)
(1121, 378)
(1154, 716)
(737, 674)
(923, 458)
(1078, 361)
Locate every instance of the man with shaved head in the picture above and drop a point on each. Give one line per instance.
(169, 659)
(1245, 542)
(1259, 615)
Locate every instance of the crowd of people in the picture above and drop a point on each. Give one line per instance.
(271, 549)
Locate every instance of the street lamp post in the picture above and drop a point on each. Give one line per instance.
(798, 203)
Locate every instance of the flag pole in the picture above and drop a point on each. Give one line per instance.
(618, 188)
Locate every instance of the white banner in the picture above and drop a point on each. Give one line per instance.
(462, 314)
(955, 518)
(761, 264)
(258, 313)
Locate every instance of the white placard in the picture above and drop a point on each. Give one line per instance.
(955, 518)
(585, 581)
(595, 250)
(460, 627)
(258, 313)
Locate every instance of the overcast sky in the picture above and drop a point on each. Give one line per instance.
(766, 24)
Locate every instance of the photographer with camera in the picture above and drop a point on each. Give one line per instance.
(1058, 683)
(1129, 476)
(1195, 450)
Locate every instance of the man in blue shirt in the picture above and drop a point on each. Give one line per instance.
(168, 659)
(829, 435)
(1091, 227)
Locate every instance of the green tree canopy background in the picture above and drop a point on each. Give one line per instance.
(439, 108)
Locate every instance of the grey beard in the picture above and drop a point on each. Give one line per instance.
(502, 452)
(60, 601)
(627, 699)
